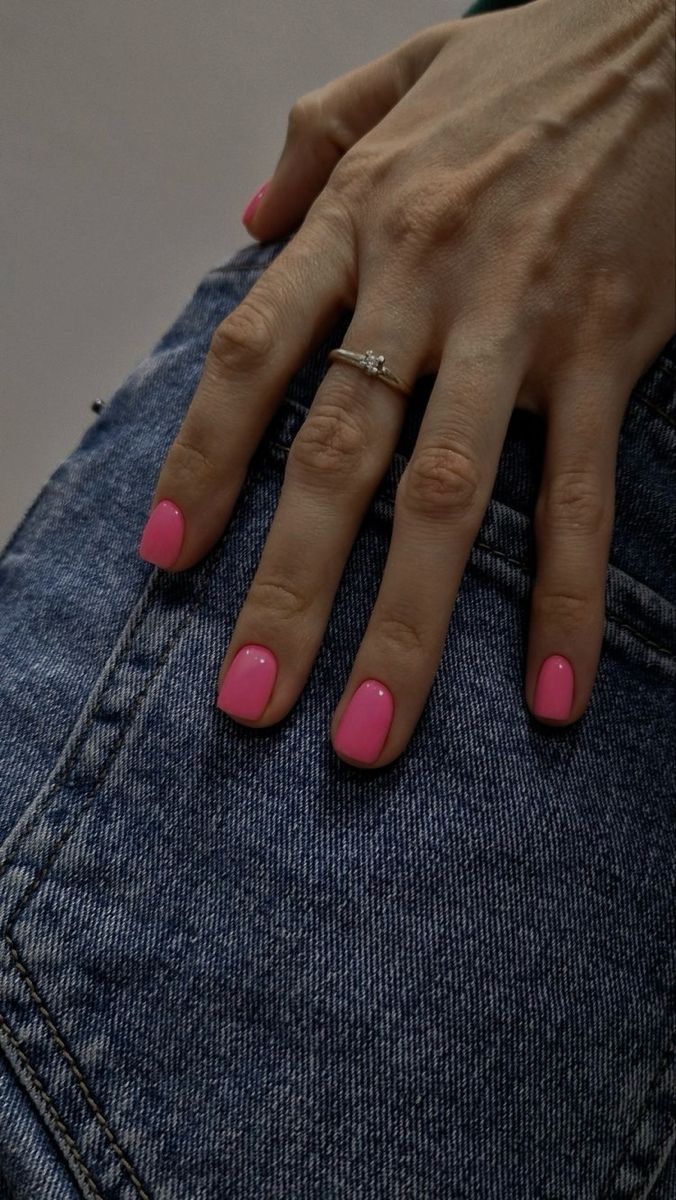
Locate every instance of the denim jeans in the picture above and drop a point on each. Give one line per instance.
(234, 965)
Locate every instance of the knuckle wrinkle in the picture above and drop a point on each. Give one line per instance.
(278, 596)
(245, 337)
(573, 500)
(328, 445)
(187, 455)
(401, 634)
(441, 483)
(568, 612)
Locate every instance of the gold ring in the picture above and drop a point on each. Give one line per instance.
(372, 364)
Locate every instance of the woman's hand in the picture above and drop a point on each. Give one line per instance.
(494, 199)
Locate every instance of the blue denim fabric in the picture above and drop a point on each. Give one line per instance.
(235, 966)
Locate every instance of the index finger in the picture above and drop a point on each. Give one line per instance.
(254, 353)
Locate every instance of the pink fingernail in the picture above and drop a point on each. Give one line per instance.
(163, 534)
(365, 724)
(249, 681)
(253, 203)
(554, 689)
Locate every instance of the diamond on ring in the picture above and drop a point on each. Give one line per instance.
(373, 362)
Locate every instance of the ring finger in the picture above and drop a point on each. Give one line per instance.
(335, 464)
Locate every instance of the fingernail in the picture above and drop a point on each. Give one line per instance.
(554, 689)
(162, 537)
(253, 203)
(249, 681)
(365, 724)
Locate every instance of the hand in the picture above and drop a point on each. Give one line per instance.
(494, 200)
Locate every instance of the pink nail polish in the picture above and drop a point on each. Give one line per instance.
(163, 534)
(554, 689)
(253, 203)
(366, 722)
(249, 681)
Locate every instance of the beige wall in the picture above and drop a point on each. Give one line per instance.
(131, 136)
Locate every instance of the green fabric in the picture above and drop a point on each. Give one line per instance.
(481, 6)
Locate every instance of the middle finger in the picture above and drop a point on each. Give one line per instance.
(439, 507)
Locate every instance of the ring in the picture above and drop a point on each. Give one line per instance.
(372, 364)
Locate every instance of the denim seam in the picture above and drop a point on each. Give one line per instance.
(63, 773)
(121, 646)
(667, 1058)
(52, 1109)
(117, 654)
(650, 404)
(667, 1054)
(20, 966)
(64, 838)
(610, 616)
(15, 535)
(70, 1061)
(118, 649)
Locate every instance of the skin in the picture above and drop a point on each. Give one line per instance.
(494, 202)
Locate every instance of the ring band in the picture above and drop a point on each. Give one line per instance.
(372, 364)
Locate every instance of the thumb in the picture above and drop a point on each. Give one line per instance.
(326, 122)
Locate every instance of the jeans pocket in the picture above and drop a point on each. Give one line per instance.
(233, 965)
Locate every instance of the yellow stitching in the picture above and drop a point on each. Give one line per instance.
(55, 1116)
(76, 1071)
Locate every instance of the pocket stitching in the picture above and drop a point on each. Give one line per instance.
(71, 1063)
(62, 774)
(120, 650)
(53, 1110)
(632, 1138)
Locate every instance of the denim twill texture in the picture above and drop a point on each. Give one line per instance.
(235, 966)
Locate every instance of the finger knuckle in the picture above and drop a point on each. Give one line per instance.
(618, 301)
(330, 219)
(440, 482)
(574, 500)
(478, 353)
(329, 447)
(355, 187)
(352, 174)
(315, 116)
(304, 114)
(279, 595)
(566, 611)
(424, 214)
(189, 458)
(246, 337)
(399, 634)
